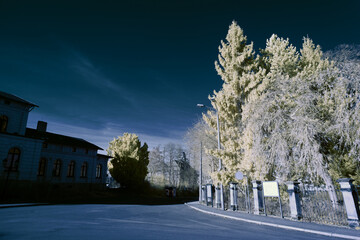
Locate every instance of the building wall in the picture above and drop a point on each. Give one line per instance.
(103, 162)
(30, 151)
(66, 155)
(17, 116)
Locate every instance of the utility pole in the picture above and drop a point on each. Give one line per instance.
(220, 163)
(200, 175)
(219, 148)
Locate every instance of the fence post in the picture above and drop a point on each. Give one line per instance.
(294, 199)
(203, 194)
(209, 195)
(351, 201)
(258, 196)
(233, 196)
(218, 197)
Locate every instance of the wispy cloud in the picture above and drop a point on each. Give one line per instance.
(92, 75)
(102, 136)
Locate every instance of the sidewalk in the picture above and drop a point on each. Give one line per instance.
(325, 230)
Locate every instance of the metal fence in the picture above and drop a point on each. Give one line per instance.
(272, 204)
(316, 205)
(244, 199)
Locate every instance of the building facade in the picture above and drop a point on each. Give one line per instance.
(39, 156)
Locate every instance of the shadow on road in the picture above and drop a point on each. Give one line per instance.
(147, 196)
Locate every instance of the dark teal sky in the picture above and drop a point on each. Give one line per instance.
(101, 68)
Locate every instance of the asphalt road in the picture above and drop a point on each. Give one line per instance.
(131, 222)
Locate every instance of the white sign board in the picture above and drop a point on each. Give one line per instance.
(209, 190)
(271, 189)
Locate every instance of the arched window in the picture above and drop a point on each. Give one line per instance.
(42, 167)
(57, 168)
(3, 123)
(71, 168)
(11, 163)
(84, 167)
(98, 171)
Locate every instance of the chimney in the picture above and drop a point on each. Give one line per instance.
(41, 126)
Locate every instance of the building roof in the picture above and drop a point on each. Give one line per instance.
(104, 156)
(16, 99)
(54, 138)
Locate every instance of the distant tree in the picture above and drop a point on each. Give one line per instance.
(187, 174)
(198, 139)
(172, 152)
(169, 167)
(130, 160)
(157, 167)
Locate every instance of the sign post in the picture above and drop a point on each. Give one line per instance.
(271, 189)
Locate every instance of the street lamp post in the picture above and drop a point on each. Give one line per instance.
(200, 180)
(219, 147)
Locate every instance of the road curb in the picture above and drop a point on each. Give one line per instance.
(276, 225)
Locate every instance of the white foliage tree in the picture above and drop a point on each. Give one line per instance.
(344, 158)
(236, 66)
(287, 121)
(286, 114)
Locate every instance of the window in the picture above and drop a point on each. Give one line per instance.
(86, 151)
(42, 167)
(84, 170)
(57, 168)
(74, 149)
(98, 171)
(3, 123)
(11, 163)
(71, 168)
(44, 145)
